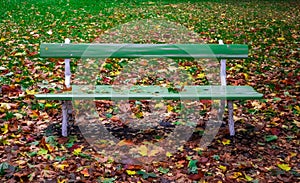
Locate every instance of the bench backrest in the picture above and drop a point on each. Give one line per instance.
(219, 51)
(232, 51)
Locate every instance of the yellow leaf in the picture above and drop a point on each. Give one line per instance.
(180, 148)
(153, 152)
(60, 166)
(223, 168)
(238, 66)
(143, 150)
(297, 123)
(235, 106)
(225, 141)
(79, 169)
(236, 175)
(116, 73)
(50, 148)
(20, 54)
(130, 172)
(2, 39)
(62, 181)
(4, 142)
(159, 105)
(78, 150)
(48, 105)
(284, 167)
(280, 38)
(293, 154)
(297, 108)
(169, 108)
(4, 129)
(4, 107)
(30, 92)
(139, 114)
(168, 154)
(200, 76)
(248, 178)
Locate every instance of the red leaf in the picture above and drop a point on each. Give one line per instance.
(85, 172)
(275, 131)
(33, 53)
(75, 146)
(197, 176)
(205, 101)
(203, 160)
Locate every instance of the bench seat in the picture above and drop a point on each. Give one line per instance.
(108, 92)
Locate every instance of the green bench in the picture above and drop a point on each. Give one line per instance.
(106, 92)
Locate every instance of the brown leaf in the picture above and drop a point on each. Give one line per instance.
(197, 176)
(275, 131)
(62, 140)
(203, 160)
(26, 129)
(13, 127)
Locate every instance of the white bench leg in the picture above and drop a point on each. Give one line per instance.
(221, 110)
(230, 118)
(69, 110)
(64, 127)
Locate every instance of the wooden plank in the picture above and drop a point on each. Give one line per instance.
(230, 51)
(106, 92)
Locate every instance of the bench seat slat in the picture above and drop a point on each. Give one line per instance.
(230, 51)
(106, 92)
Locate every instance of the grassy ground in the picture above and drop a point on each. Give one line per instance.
(267, 144)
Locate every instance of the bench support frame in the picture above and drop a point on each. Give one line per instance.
(67, 104)
(222, 102)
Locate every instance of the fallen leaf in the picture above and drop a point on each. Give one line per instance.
(280, 38)
(85, 172)
(115, 119)
(125, 142)
(143, 150)
(225, 141)
(270, 138)
(235, 175)
(168, 154)
(78, 150)
(297, 123)
(248, 178)
(49, 32)
(223, 168)
(18, 115)
(130, 172)
(284, 167)
(4, 129)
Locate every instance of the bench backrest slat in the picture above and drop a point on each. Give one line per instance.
(231, 51)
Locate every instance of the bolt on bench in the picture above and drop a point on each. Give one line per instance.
(219, 51)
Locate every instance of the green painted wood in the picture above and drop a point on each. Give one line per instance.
(107, 92)
(230, 51)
